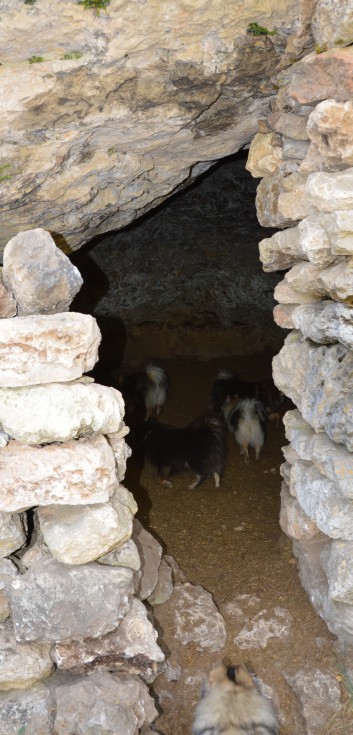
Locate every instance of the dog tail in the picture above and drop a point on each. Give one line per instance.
(225, 374)
(156, 375)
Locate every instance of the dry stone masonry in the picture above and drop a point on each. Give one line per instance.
(78, 647)
(305, 158)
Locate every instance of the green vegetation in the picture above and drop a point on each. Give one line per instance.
(95, 5)
(30, 2)
(257, 30)
(36, 59)
(72, 55)
(321, 49)
(111, 150)
(3, 168)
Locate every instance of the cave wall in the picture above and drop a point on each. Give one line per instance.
(188, 274)
(308, 192)
(105, 114)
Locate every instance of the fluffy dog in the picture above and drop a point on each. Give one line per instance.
(228, 386)
(199, 447)
(145, 393)
(246, 419)
(231, 704)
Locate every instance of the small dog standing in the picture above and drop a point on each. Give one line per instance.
(145, 393)
(228, 385)
(246, 419)
(199, 447)
(231, 704)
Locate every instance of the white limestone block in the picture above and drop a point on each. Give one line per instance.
(21, 664)
(76, 472)
(79, 534)
(45, 349)
(41, 277)
(57, 412)
(57, 602)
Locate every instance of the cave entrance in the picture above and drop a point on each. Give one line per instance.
(184, 285)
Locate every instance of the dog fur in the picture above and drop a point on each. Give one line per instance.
(246, 420)
(199, 447)
(228, 386)
(145, 393)
(231, 704)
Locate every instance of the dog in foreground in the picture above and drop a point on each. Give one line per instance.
(231, 704)
(199, 447)
(145, 392)
(246, 420)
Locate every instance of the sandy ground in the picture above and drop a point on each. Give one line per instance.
(229, 541)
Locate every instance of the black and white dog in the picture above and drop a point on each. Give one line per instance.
(145, 392)
(199, 447)
(228, 386)
(246, 420)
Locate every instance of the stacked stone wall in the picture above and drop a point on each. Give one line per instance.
(77, 649)
(304, 153)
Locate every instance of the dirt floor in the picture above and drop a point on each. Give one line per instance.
(229, 541)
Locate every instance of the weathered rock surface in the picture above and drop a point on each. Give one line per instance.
(164, 586)
(13, 528)
(21, 664)
(293, 521)
(103, 703)
(331, 459)
(289, 124)
(336, 561)
(282, 315)
(125, 556)
(79, 534)
(268, 194)
(325, 322)
(332, 23)
(29, 712)
(265, 154)
(40, 276)
(8, 306)
(8, 571)
(44, 349)
(195, 618)
(56, 602)
(300, 285)
(150, 552)
(263, 627)
(322, 501)
(315, 241)
(131, 647)
(337, 615)
(329, 192)
(319, 695)
(318, 380)
(317, 77)
(76, 472)
(330, 128)
(56, 412)
(186, 90)
(281, 251)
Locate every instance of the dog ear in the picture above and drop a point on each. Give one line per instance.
(243, 678)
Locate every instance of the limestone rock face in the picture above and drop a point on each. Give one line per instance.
(331, 459)
(150, 552)
(336, 561)
(330, 128)
(131, 647)
(318, 380)
(164, 586)
(329, 192)
(265, 154)
(196, 618)
(103, 703)
(281, 251)
(56, 602)
(332, 23)
(8, 306)
(325, 322)
(73, 473)
(59, 412)
(44, 349)
(124, 556)
(21, 664)
(8, 571)
(79, 534)
(39, 275)
(117, 102)
(13, 529)
(33, 707)
(293, 521)
(318, 77)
